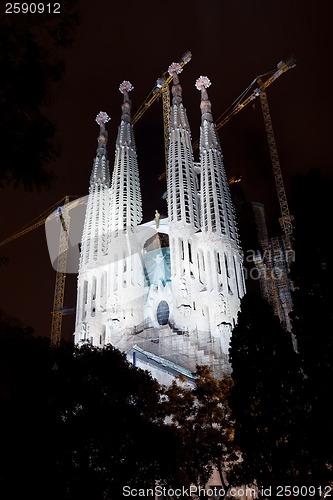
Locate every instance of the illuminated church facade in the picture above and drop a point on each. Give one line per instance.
(166, 292)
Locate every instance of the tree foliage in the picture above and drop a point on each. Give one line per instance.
(31, 63)
(279, 400)
(75, 424)
(312, 316)
(201, 418)
(83, 423)
(266, 397)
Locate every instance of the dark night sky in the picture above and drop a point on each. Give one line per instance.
(231, 42)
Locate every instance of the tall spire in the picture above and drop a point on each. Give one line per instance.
(94, 236)
(126, 203)
(125, 133)
(174, 70)
(183, 204)
(182, 189)
(100, 174)
(217, 212)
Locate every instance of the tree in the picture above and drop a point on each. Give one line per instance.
(78, 423)
(266, 397)
(31, 62)
(312, 316)
(200, 417)
(107, 423)
(27, 425)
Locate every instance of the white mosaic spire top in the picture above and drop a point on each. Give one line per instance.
(203, 82)
(102, 118)
(174, 69)
(125, 86)
(100, 174)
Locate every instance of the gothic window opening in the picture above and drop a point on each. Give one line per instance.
(85, 292)
(94, 284)
(226, 266)
(182, 249)
(236, 278)
(190, 252)
(218, 262)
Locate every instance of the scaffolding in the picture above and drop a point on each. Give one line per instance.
(273, 264)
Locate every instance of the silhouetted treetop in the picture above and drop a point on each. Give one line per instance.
(31, 62)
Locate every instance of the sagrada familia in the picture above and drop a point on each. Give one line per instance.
(165, 292)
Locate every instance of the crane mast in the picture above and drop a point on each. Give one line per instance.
(62, 214)
(166, 121)
(59, 288)
(285, 220)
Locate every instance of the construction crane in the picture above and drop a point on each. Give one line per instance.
(162, 88)
(276, 288)
(37, 222)
(243, 101)
(60, 211)
(165, 79)
(59, 288)
(257, 88)
(286, 219)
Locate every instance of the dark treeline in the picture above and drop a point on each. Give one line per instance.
(84, 423)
